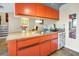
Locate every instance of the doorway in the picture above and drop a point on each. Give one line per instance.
(3, 33)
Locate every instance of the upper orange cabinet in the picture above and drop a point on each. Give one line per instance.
(36, 10)
(27, 9)
(52, 13)
(41, 10)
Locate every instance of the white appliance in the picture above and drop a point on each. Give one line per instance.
(61, 39)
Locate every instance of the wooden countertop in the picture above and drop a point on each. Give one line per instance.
(28, 34)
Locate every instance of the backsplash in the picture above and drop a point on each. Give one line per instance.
(47, 23)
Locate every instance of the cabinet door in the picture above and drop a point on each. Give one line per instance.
(31, 51)
(46, 37)
(52, 13)
(49, 14)
(41, 12)
(27, 9)
(54, 45)
(55, 35)
(27, 42)
(12, 47)
(44, 48)
(55, 14)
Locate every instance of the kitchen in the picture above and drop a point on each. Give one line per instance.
(35, 29)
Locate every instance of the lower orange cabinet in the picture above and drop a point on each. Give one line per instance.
(37, 46)
(27, 42)
(31, 51)
(44, 48)
(12, 48)
(54, 45)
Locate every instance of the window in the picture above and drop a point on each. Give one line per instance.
(74, 22)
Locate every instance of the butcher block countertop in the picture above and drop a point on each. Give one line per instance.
(28, 34)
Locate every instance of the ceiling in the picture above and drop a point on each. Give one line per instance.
(54, 5)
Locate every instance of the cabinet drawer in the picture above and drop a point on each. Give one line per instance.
(54, 45)
(45, 48)
(27, 42)
(32, 51)
(46, 37)
(55, 35)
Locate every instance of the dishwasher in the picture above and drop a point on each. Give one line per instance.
(61, 40)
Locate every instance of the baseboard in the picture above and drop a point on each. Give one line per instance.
(72, 49)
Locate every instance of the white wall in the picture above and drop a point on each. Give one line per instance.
(14, 23)
(7, 7)
(65, 10)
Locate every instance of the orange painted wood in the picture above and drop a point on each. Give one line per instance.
(27, 9)
(54, 42)
(54, 45)
(55, 14)
(55, 35)
(46, 37)
(44, 48)
(26, 42)
(52, 13)
(12, 48)
(36, 10)
(41, 10)
(32, 51)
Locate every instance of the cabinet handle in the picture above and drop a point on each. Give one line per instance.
(34, 44)
(28, 46)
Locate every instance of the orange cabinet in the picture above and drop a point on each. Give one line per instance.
(54, 45)
(26, 47)
(44, 48)
(31, 51)
(27, 9)
(55, 14)
(48, 12)
(35, 46)
(28, 41)
(55, 35)
(41, 10)
(36, 10)
(46, 37)
(12, 48)
(52, 13)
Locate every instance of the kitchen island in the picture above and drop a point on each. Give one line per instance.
(32, 43)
